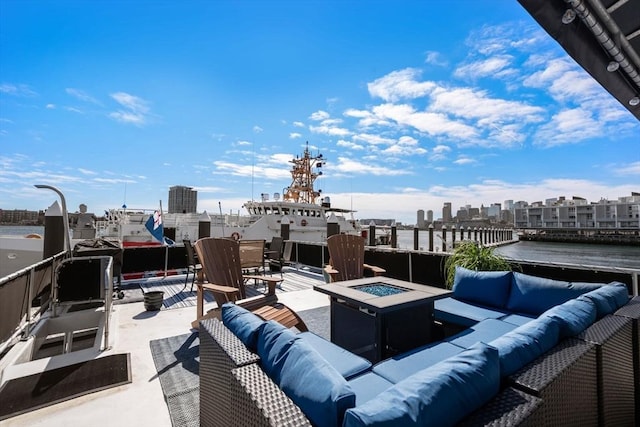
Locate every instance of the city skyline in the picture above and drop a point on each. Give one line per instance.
(412, 106)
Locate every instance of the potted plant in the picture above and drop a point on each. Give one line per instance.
(473, 256)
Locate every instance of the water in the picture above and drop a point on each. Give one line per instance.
(21, 230)
(563, 253)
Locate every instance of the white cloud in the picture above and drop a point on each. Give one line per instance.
(630, 169)
(319, 115)
(349, 145)
(399, 85)
(81, 95)
(295, 135)
(136, 109)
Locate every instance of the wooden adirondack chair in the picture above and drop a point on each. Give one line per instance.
(346, 259)
(221, 264)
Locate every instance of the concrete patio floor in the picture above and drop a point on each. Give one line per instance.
(140, 403)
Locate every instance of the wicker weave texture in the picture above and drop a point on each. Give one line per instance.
(259, 402)
(220, 352)
(612, 336)
(510, 407)
(632, 311)
(565, 379)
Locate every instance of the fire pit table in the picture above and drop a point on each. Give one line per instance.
(379, 317)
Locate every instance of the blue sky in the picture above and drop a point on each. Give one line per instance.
(412, 103)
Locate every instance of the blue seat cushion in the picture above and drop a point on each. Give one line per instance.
(441, 395)
(404, 365)
(574, 316)
(488, 288)
(534, 295)
(274, 341)
(345, 362)
(243, 323)
(608, 298)
(451, 310)
(485, 331)
(517, 318)
(525, 343)
(367, 386)
(315, 386)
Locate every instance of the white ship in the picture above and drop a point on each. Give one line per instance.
(302, 207)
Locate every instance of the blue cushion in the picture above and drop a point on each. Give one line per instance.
(367, 386)
(345, 362)
(518, 319)
(243, 323)
(574, 316)
(274, 341)
(490, 288)
(451, 310)
(525, 343)
(315, 386)
(441, 395)
(608, 298)
(534, 295)
(403, 366)
(484, 331)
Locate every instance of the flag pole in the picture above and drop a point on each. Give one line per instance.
(164, 243)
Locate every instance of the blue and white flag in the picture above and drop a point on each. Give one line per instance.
(154, 225)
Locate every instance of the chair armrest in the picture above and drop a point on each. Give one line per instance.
(329, 269)
(271, 282)
(377, 271)
(227, 293)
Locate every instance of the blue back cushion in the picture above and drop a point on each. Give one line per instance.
(315, 387)
(535, 295)
(574, 316)
(525, 343)
(608, 298)
(345, 362)
(274, 341)
(490, 288)
(440, 395)
(243, 323)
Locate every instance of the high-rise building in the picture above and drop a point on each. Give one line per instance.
(420, 221)
(429, 217)
(446, 212)
(182, 199)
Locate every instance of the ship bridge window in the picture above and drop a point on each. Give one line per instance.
(285, 211)
(276, 211)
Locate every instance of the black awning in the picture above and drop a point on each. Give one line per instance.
(616, 24)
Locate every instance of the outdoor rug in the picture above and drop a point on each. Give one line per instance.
(35, 391)
(177, 360)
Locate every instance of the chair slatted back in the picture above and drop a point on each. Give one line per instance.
(346, 254)
(251, 254)
(220, 260)
(275, 248)
(191, 256)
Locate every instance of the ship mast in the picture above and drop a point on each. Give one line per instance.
(303, 176)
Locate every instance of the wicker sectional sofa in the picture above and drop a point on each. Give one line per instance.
(570, 364)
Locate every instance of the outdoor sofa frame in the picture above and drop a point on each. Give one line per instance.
(575, 383)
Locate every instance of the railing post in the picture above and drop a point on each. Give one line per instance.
(394, 236)
(444, 238)
(416, 232)
(453, 237)
(431, 237)
(204, 225)
(372, 233)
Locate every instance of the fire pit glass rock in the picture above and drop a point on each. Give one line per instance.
(380, 289)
